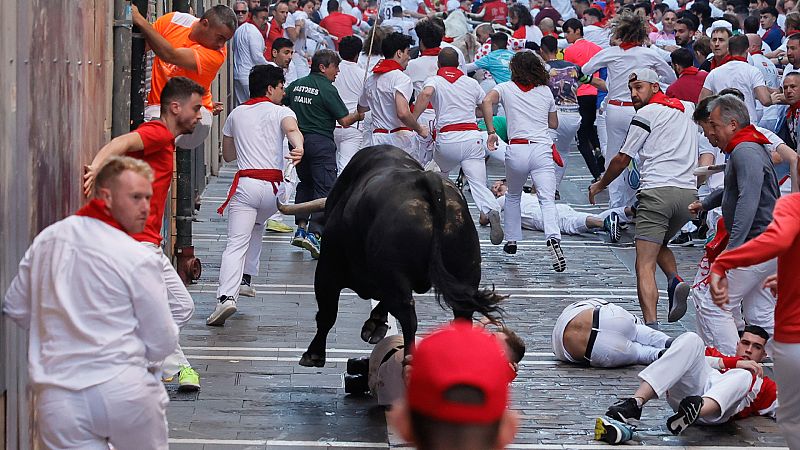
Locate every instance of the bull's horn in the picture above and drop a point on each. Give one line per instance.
(302, 209)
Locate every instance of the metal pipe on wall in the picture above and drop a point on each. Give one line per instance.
(121, 101)
(138, 71)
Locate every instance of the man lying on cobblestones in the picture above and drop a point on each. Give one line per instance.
(94, 305)
(703, 385)
(458, 392)
(382, 372)
(253, 135)
(569, 220)
(597, 333)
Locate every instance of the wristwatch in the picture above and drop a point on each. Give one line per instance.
(491, 132)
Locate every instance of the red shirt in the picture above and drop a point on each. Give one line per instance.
(580, 52)
(781, 239)
(547, 11)
(275, 31)
(688, 85)
(496, 11)
(159, 149)
(339, 25)
(763, 389)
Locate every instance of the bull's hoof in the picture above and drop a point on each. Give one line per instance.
(373, 330)
(312, 360)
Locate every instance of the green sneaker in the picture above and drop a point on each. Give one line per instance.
(278, 227)
(188, 380)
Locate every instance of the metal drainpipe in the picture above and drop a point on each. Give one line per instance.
(120, 113)
(188, 266)
(138, 69)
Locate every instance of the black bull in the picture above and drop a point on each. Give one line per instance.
(392, 228)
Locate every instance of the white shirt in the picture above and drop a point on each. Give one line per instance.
(564, 8)
(527, 112)
(621, 63)
(385, 9)
(350, 83)
(373, 60)
(300, 43)
(399, 24)
(597, 35)
(378, 96)
(248, 50)
(455, 102)
(738, 75)
(533, 34)
(461, 60)
(257, 134)
(665, 140)
(411, 5)
(767, 68)
(420, 69)
(94, 303)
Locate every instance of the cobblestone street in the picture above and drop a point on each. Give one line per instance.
(255, 395)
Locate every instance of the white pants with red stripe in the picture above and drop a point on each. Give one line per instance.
(348, 142)
(683, 371)
(181, 306)
(536, 161)
(787, 366)
(618, 120)
(465, 148)
(568, 124)
(250, 207)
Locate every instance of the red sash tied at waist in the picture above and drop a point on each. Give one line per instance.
(556, 156)
(619, 103)
(395, 130)
(459, 127)
(274, 176)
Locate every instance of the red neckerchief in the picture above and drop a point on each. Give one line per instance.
(386, 66)
(96, 209)
(661, 99)
(431, 51)
(690, 71)
(746, 134)
(255, 100)
(757, 52)
(792, 33)
(450, 74)
(448, 39)
(725, 60)
(628, 45)
(525, 87)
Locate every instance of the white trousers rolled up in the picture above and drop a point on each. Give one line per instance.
(536, 161)
(348, 142)
(251, 206)
(787, 366)
(128, 412)
(618, 120)
(683, 371)
(465, 148)
(568, 124)
(181, 305)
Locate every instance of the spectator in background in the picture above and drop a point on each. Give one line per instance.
(279, 15)
(685, 30)
(690, 80)
(496, 62)
(773, 35)
(494, 11)
(666, 36)
(338, 24)
(241, 10)
(458, 392)
(248, 51)
(282, 52)
(548, 28)
(522, 24)
(547, 10)
(592, 30)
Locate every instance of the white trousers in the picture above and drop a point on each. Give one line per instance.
(348, 143)
(683, 371)
(426, 146)
(405, 140)
(569, 220)
(622, 339)
(181, 305)
(298, 68)
(618, 120)
(465, 148)
(600, 123)
(251, 206)
(536, 161)
(568, 124)
(241, 91)
(128, 412)
(187, 141)
(787, 366)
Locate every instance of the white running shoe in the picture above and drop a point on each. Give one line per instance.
(246, 290)
(226, 307)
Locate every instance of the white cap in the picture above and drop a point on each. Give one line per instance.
(719, 24)
(648, 75)
(453, 5)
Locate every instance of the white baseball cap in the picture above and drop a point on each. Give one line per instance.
(453, 5)
(719, 24)
(648, 75)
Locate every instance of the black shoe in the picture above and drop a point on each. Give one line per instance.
(556, 255)
(625, 410)
(558, 195)
(510, 247)
(684, 239)
(355, 384)
(460, 180)
(358, 366)
(688, 413)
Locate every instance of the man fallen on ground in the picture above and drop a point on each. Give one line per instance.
(597, 333)
(458, 392)
(704, 386)
(569, 220)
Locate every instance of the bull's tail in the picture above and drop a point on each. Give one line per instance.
(463, 298)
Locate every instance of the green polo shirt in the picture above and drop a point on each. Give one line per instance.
(317, 104)
(499, 126)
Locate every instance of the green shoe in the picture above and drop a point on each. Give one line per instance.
(188, 380)
(278, 227)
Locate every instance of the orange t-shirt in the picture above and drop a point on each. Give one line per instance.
(175, 27)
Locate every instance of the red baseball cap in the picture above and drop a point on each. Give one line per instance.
(460, 355)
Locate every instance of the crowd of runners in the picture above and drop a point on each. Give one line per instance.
(685, 113)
